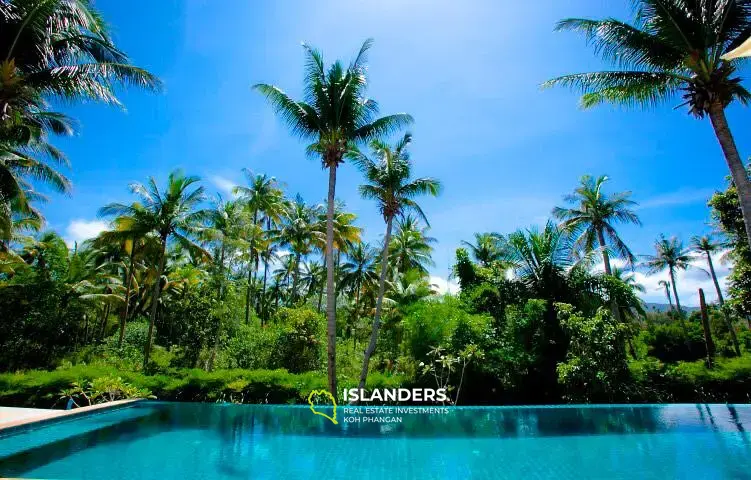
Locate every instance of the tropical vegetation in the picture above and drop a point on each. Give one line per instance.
(264, 295)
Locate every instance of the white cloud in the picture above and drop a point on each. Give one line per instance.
(444, 286)
(686, 196)
(80, 230)
(224, 184)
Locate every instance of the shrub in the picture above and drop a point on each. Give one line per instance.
(444, 323)
(595, 368)
(670, 342)
(299, 346)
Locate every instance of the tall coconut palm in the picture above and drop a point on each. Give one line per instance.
(262, 196)
(299, 234)
(411, 246)
(171, 214)
(592, 217)
(671, 255)
(672, 47)
(390, 184)
(706, 245)
(335, 115)
(666, 285)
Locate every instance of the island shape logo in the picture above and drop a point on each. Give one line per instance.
(327, 394)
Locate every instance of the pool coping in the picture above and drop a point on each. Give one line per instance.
(58, 415)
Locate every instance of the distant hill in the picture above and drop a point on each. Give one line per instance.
(665, 307)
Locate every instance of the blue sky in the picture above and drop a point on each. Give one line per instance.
(469, 72)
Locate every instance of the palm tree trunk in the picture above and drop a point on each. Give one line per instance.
(263, 291)
(608, 271)
(295, 276)
(605, 256)
(714, 279)
(330, 292)
(320, 292)
(721, 301)
(247, 293)
(733, 158)
(128, 286)
(103, 325)
(675, 294)
(379, 303)
(155, 303)
(708, 343)
(670, 298)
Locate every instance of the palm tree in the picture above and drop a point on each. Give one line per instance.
(391, 185)
(411, 246)
(706, 245)
(298, 233)
(592, 218)
(672, 47)
(666, 285)
(18, 166)
(262, 197)
(52, 49)
(487, 249)
(541, 259)
(359, 272)
(335, 115)
(170, 214)
(225, 230)
(670, 255)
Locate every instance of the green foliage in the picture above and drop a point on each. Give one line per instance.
(595, 368)
(40, 323)
(430, 324)
(191, 323)
(299, 346)
(671, 342)
(37, 388)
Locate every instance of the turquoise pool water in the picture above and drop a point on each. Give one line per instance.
(163, 440)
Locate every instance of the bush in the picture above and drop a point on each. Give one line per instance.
(444, 323)
(595, 368)
(670, 342)
(728, 382)
(299, 346)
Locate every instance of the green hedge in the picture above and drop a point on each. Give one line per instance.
(38, 388)
(728, 382)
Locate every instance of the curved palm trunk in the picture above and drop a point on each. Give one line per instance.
(670, 297)
(733, 158)
(155, 303)
(330, 292)
(675, 294)
(608, 271)
(714, 280)
(379, 303)
(721, 301)
(128, 286)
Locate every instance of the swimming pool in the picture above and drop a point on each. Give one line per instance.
(190, 441)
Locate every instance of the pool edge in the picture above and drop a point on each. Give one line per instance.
(53, 416)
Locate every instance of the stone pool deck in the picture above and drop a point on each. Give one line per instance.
(13, 417)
